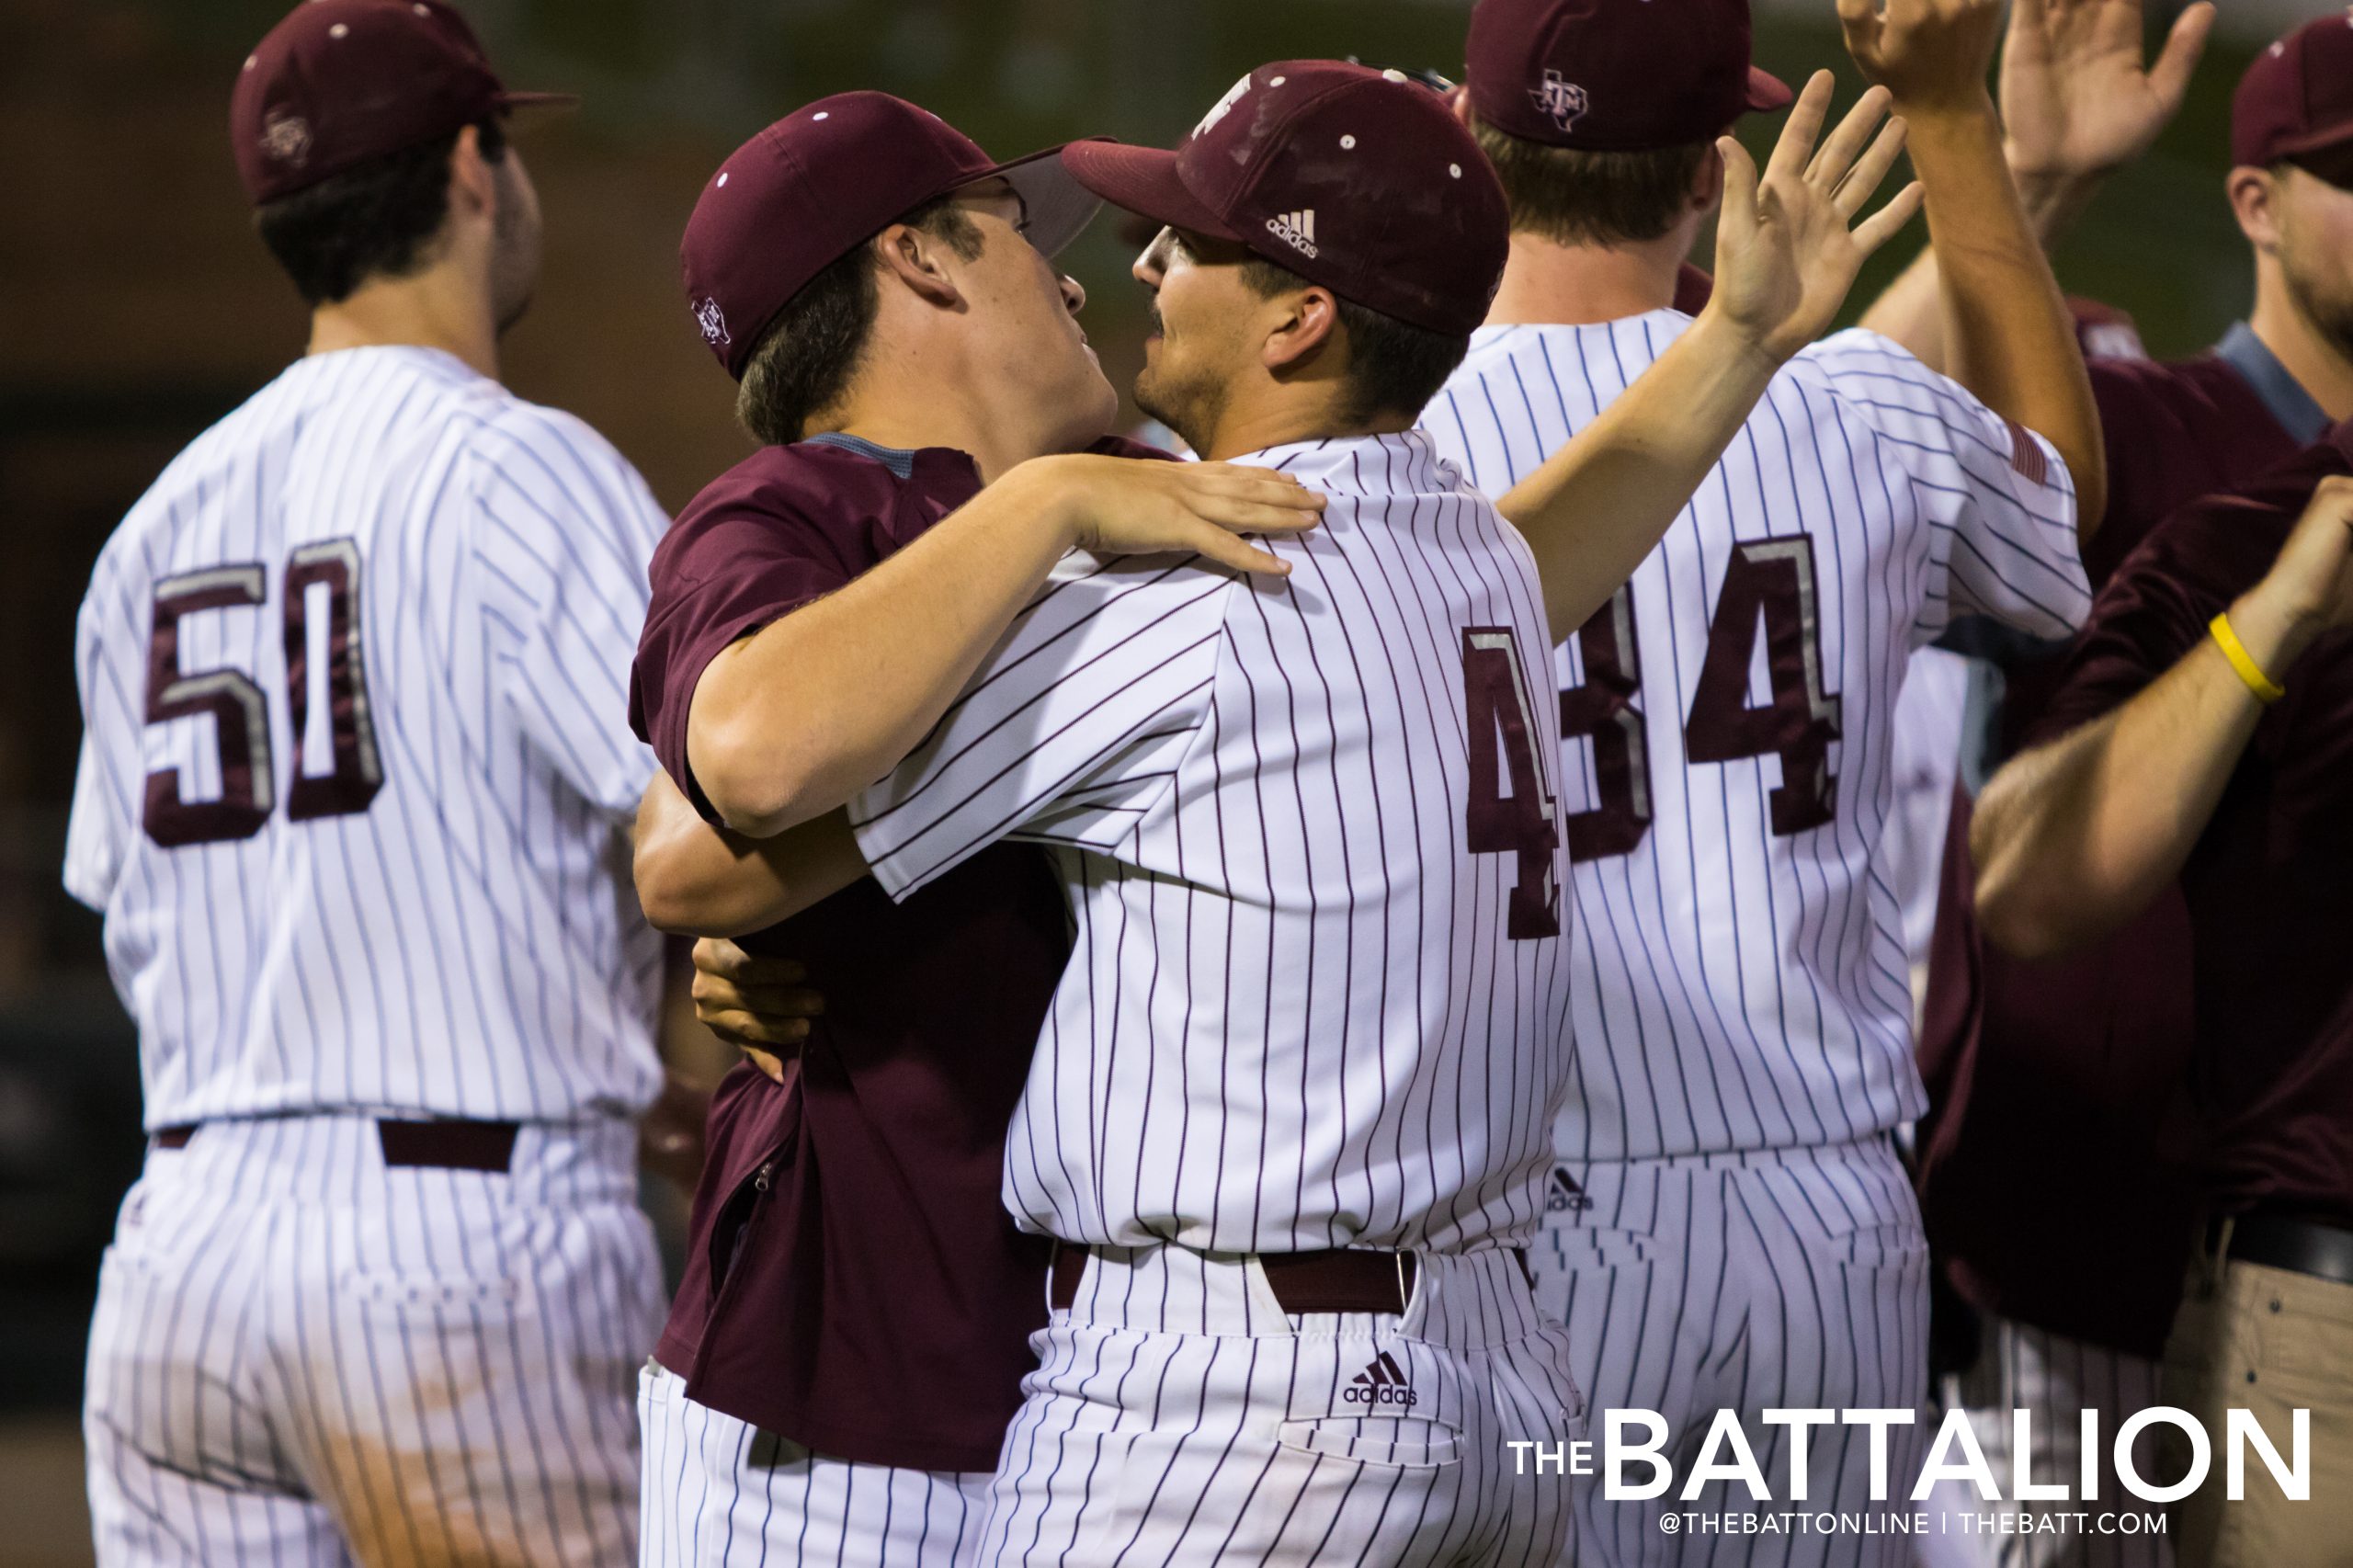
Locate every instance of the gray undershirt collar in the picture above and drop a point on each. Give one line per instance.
(2282, 393)
(898, 459)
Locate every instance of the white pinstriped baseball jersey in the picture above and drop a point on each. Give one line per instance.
(356, 750)
(1739, 964)
(1319, 996)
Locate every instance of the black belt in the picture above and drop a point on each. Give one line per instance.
(1332, 1280)
(449, 1145)
(2275, 1240)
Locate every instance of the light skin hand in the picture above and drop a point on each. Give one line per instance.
(2079, 99)
(761, 1005)
(1122, 507)
(1788, 246)
(1932, 54)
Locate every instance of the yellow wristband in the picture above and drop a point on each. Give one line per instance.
(2262, 685)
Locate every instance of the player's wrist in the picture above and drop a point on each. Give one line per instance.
(2275, 624)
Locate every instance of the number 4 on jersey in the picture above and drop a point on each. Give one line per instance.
(1768, 582)
(1503, 739)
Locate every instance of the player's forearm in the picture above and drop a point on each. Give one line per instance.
(699, 880)
(2009, 337)
(1600, 502)
(1911, 311)
(791, 722)
(2074, 838)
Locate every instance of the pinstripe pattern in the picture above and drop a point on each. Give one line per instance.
(2055, 1380)
(1179, 1416)
(463, 945)
(301, 1356)
(1737, 988)
(720, 1492)
(1294, 1017)
(1746, 1282)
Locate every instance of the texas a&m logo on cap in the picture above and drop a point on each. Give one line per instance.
(1560, 98)
(286, 137)
(1218, 110)
(708, 317)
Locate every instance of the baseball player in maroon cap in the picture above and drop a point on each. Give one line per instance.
(2050, 1171)
(354, 773)
(1287, 1121)
(849, 1339)
(1729, 1227)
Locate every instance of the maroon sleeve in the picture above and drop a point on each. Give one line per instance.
(2155, 606)
(720, 574)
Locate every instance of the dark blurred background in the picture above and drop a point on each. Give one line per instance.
(136, 307)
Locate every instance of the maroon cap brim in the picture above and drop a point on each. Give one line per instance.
(1767, 91)
(1144, 180)
(510, 102)
(2316, 140)
(1055, 205)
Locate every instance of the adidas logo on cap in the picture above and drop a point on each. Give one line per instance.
(1296, 230)
(1382, 1382)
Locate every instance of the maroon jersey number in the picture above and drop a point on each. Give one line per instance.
(240, 715)
(1771, 580)
(1502, 740)
(1604, 709)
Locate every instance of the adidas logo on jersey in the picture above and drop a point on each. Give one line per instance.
(1382, 1382)
(1563, 1196)
(1296, 230)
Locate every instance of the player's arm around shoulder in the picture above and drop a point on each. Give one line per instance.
(791, 722)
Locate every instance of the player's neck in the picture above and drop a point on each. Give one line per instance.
(1548, 282)
(2301, 347)
(1286, 421)
(432, 309)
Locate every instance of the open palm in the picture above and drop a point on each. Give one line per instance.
(1788, 246)
(2077, 97)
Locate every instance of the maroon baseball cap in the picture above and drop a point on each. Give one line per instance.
(1351, 177)
(822, 181)
(1614, 76)
(2298, 96)
(340, 82)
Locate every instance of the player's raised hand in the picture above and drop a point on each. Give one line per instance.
(1932, 54)
(2079, 96)
(756, 1004)
(1128, 507)
(1788, 246)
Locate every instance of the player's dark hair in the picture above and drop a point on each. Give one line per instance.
(806, 357)
(375, 219)
(1394, 367)
(1574, 197)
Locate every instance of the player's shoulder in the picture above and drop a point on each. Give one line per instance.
(503, 427)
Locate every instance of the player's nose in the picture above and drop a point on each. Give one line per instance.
(1152, 267)
(1073, 296)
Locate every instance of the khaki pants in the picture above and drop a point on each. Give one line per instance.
(2271, 1342)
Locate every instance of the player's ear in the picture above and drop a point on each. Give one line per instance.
(1304, 322)
(473, 185)
(1708, 182)
(917, 261)
(2254, 196)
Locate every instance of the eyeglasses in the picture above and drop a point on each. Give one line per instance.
(1416, 74)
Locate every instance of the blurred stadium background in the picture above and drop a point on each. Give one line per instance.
(136, 307)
